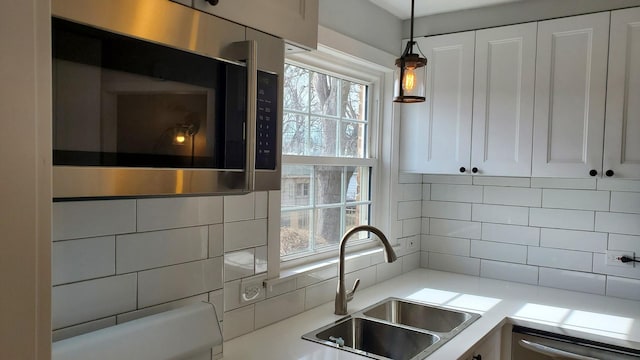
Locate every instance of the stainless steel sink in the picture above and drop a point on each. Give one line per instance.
(394, 329)
(379, 338)
(418, 315)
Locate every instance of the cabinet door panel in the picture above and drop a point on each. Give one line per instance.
(503, 100)
(571, 67)
(436, 134)
(622, 127)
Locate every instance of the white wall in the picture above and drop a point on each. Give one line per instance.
(363, 21)
(25, 190)
(511, 13)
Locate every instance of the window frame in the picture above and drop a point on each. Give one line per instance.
(346, 67)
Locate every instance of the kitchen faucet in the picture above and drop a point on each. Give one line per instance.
(342, 296)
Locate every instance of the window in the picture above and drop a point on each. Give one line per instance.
(327, 159)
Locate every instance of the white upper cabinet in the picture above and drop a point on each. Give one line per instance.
(436, 135)
(503, 100)
(296, 21)
(622, 127)
(571, 68)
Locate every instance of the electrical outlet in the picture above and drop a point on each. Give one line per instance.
(614, 256)
(252, 289)
(412, 244)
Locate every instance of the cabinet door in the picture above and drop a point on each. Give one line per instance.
(622, 127)
(503, 100)
(293, 20)
(436, 135)
(571, 68)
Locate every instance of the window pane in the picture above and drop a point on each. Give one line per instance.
(357, 184)
(354, 100)
(294, 232)
(296, 186)
(324, 94)
(357, 215)
(327, 226)
(296, 88)
(328, 184)
(294, 134)
(353, 135)
(323, 137)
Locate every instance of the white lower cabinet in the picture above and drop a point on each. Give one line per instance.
(487, 349)
(571, 68)
(622, 124)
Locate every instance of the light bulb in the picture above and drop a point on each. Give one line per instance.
(180, 138)
(409, 80)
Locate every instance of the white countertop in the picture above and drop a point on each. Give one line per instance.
(595, 317)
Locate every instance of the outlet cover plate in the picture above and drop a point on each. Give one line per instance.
(613, 258)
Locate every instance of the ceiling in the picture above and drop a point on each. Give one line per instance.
(402, 8)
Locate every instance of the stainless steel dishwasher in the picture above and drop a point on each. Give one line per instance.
(531, 344)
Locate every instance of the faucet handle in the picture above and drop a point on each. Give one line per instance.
(350, 293)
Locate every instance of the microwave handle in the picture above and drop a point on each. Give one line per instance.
(552, 352)
(248, 51)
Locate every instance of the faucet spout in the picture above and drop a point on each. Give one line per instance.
(342, 296)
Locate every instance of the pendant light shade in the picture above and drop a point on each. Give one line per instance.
(410, 74)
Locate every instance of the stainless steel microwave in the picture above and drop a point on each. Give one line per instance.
(152, 98)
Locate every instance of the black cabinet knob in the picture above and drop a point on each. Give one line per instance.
(593, 172)
(609, 173)
(477, 357)
(474, 170)
(212, 2)
(463, 169)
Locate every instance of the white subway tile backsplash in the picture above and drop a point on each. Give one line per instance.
(461, 193)
(512, 196)
(278, 308)
(410, 262)
(560, 259)
(623, 288)
(94, 299)
(426, 191)
(573, 280)
(353, 263)
(446, 210)
(410, 192)
(281, 287)
(409, 210)
(238, 322)
(513, 234)
(619, 185)
(499, 251)
(245, 234)
(502, 181)
(564, 183)
(425, 226)
(447, 179)
(618, 223)
(625, 202)
(411, 227)
(508, 271)
(446, 245)
(320, 293)
(575, 199)
(147, 250)
(562, 219)
(83, 219)
(513, 215)
(179, 281)
(76, 260)
(217, 299)
(405, 178)
(316, 276)
(152, 310)
(216, 240)
(239, 207)
(600, 266)
(455, 228)
(386, 271)
(624, 242)
(83, 328)
(573, 240)
(367, 277)
(424, 259)
(262, 205)
(453, 263)
(239, 264)
(175, 212)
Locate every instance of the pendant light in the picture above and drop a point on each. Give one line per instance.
(409, 83)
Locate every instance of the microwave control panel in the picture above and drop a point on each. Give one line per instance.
(266, 121)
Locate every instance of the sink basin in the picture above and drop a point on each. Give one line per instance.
(418, 315)
(378, 338)
(394, 329)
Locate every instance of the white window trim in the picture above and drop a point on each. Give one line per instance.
(336, 53)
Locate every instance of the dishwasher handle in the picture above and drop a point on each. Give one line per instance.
(552, 352)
